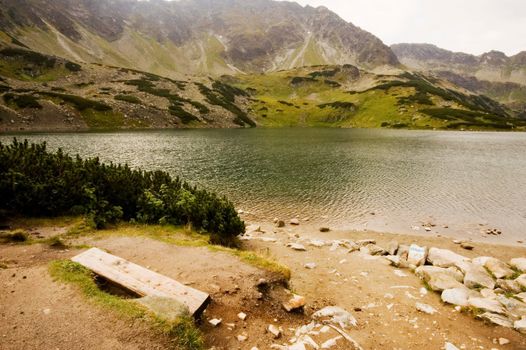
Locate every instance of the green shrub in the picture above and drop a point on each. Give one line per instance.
(339, 105)
(23, 101)
(29, 56)
(80, 103)
(35, 182)
(73, 67)
(128, 98)
(18, 236)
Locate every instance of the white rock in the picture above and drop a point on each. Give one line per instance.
(393, 260)
(400, 273)
(521, 296)
(519, 264)
(364, 242)
(428, 309)
(520, 326)
(488, 293)
(521, 280)
(392, 247)
(294, 221)
(254, 348)
(242, 338)
(331, 342)
(498, 268)
(449, 346)
(215, 322)
(337, 315)
(514, 308)
(310, 266)
(46, 311)
(296, 302)
(503, 341)
(456, 296)
(426, 272)
(297, 246)
(480, 260)
(444, 258)
(242, 316)
(499, 320)
(441, 281)
(490, 305)
(317, 243)
(296, 346)
(274, 331)
(511, 286)
(417, 255)
(476, 276)
(372, 249)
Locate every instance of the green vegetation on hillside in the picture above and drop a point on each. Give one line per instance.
(327, 96)
(35, 182)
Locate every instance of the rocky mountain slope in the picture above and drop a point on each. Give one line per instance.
(190, 36)
(492, 66)
(42, 92)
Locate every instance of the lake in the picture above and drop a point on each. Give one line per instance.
(383, 180)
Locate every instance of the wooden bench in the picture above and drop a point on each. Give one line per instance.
(142, 281)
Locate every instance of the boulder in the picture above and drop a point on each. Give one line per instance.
(392, 247)
(373, 249)
(520, 326)
(499, 320)
(417, 255)
(514, 308)
(441, 281)
(498, 268)
(444, 258)
(521, 280)
(324, 229)
(310, 266)
(480, 260)
(476, 277)
(394, 260)
(403, 251)
(521, 296)
(456, 296)
(294, 221)
(510, 286)
(488, 293)
(280, 223)
(467, 245)
(519, 264)
(425, 272)
(485, 304)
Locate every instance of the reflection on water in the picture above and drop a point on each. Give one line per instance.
(339, 177)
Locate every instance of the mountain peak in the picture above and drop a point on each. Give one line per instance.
(197, 37)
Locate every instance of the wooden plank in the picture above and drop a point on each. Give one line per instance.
(141, 280)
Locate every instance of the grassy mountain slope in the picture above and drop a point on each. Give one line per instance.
(345, 96)
(40, 92)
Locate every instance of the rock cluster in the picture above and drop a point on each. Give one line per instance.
(493, 289)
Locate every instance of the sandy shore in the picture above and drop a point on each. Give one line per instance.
(381, 298)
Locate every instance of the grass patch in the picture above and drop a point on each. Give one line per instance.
(128, 98)
(103, 119)
(16, 236)
(22, 101)
(182, 332)
(78, 102)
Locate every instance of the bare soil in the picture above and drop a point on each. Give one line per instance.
(39, 313)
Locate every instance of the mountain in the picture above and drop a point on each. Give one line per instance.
(493, 66)
(43, 92)
(197, 37)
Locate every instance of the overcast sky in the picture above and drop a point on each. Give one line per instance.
(473, 26)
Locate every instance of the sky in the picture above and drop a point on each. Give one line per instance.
(472, 26)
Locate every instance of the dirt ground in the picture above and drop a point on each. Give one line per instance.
(38, 313)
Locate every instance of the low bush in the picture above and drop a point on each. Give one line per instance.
(35, 182)
(80, 103)
(128, 98)
(23, 101)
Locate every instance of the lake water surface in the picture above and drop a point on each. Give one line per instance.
(386, 180)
